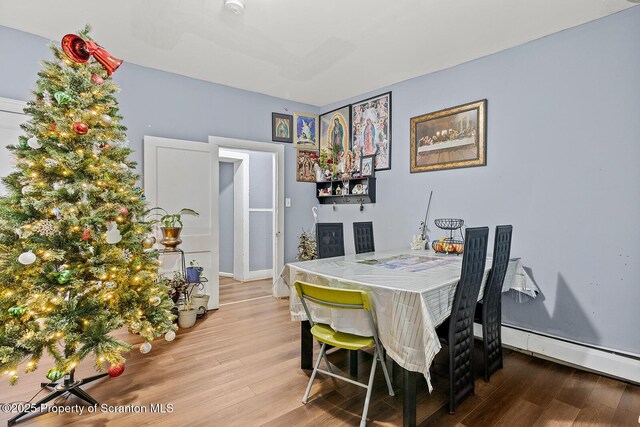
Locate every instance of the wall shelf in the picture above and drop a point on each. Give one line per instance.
(332, 186)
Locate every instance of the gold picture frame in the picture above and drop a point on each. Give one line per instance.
(449, 139)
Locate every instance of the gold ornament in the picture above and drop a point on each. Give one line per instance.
(148, 242)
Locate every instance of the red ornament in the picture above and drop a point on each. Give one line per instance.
(330, 161)
(86, 234)
(80, 128)
(80, 50)
(97, 79)
(116, 370)
(123, 211)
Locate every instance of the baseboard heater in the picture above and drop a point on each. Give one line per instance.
(620, 365)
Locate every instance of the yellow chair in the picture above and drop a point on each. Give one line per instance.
(344, 299)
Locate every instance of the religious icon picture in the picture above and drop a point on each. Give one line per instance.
(281, 127)
(367, 166)
(371, 129)
(305, 134)
(450, 138)
(306, 165)
(335, 133)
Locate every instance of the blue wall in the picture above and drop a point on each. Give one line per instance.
(563, 149)
(163, 104)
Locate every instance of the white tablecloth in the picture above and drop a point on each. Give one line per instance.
(412, 293)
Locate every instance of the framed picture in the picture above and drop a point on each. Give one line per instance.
(371, 129)
(335, 132)
(281, 127)
(306, 165)
(305, 134)
(450, 139)
(367, 165)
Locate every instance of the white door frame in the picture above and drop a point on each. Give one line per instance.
(218, 142)
(240, 162)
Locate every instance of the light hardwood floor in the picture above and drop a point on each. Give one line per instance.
(239, 366)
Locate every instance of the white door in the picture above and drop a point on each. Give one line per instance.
(178, 174)
(11, 117)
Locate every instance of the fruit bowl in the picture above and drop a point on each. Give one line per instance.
(448, 246)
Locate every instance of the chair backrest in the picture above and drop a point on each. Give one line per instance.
(493, 289)
(363, 237)
(329, 239)
(347, 299)
(464, 304)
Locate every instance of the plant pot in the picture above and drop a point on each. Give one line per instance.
(170, 238)
(193, 274)
(200, 303)
(187, 318)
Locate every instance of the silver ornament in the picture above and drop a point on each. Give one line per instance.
(170, 336)
(106, 120)
(27, 258)
(145, 348)
(33, 143)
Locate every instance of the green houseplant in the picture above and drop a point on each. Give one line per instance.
(172, 226)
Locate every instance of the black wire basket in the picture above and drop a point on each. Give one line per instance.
(449, 223)
(448, 246)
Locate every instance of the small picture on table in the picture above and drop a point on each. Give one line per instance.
(367, 167)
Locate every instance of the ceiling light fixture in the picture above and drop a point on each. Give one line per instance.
(235, 6)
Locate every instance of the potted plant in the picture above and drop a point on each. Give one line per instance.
(194, 271)
(172, 226)
(187, 315)
(201, 303)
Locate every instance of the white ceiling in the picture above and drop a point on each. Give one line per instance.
(313, 51)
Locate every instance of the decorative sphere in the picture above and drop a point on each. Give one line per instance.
(96, 79)
(62, 97)
(170, 336)
(123, 211)
(33, 143)
(54, 374)
(148, 242)
(27, 258)
(80, 128)
(155, 300)
(145, 348)
(106, 120)
(111, 285)
(135, 327)
(116, 370)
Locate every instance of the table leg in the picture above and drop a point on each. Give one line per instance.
(409, 397)
(353, 363)
(306, 345)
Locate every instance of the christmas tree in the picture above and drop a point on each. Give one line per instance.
(72, 267)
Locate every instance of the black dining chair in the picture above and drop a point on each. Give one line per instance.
(329, 239)
(363, 237)
(457, 330)
(489, 310)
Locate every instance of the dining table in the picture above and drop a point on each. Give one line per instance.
(412, 293)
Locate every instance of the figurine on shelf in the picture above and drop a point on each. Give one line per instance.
(360, 189)
(317, 170)
(339, 191)
(324, 192)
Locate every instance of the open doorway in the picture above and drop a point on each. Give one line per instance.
(250, 205)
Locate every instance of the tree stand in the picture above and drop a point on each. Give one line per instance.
(70, 385)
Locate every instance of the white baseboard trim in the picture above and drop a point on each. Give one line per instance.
(260, 274)
(611, 364)
(221, 274)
